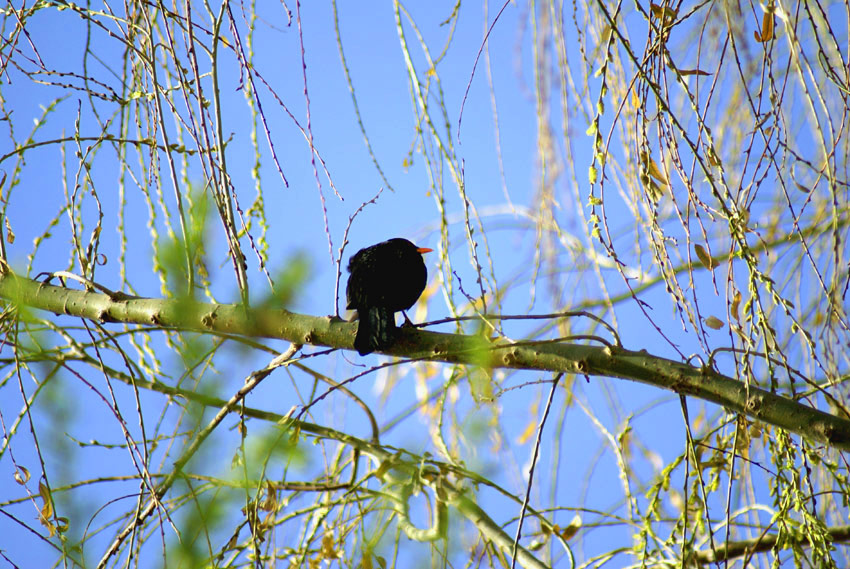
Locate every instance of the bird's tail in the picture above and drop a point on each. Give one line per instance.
(375, 330)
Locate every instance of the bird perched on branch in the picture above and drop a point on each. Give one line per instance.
(385, 278)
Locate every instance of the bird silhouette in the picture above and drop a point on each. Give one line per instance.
(385, 278)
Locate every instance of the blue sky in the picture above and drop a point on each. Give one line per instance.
(296, 226)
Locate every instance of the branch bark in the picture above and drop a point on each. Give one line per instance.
(608, 361)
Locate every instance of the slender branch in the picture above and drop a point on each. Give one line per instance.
(251, 382)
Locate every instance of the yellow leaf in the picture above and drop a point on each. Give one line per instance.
(47, 509)
(531, 427)
(736, 302)
(51, 527)
(43, 492)
(656, 173)
(653, 169)
(570, 530)
(269, 503)
(662, 13)
(328, 551)
(742, 440)
(22, 475)
(714, 323)
(707, 261)
(693, 72)
(10, 235)
(766, 28)
(526, 434)
(713, 159)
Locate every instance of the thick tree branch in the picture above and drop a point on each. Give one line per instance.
(748, 547)
(329, 331)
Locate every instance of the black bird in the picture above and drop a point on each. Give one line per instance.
(385, 278)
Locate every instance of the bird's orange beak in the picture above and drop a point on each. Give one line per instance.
(423, 250)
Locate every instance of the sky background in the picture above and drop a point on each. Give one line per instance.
(296, 210)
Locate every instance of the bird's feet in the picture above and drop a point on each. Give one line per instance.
(407, 322)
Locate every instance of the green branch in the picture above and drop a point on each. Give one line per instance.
(609, 361)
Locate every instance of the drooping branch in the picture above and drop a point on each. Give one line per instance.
(609, 361)
(399, 470)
